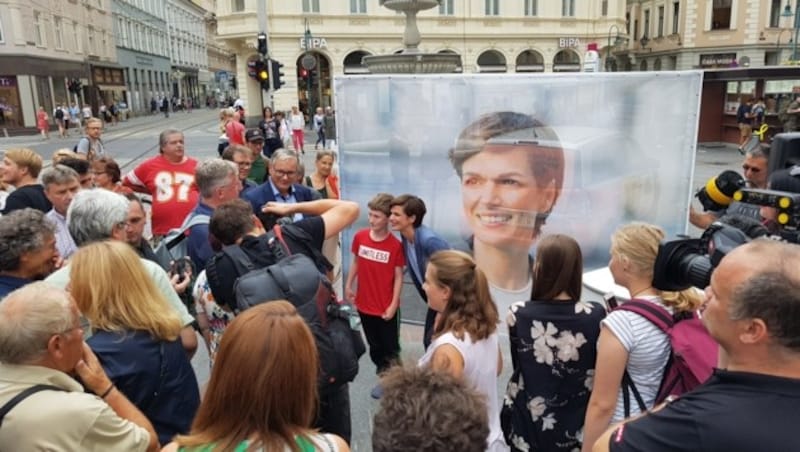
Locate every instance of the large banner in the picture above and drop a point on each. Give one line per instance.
(501, 160)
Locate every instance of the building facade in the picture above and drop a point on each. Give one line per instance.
(142, 50)
(705, 34)
(489, 35)
(186, 31)
(48, 46)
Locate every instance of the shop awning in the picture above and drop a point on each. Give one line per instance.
(118, 88)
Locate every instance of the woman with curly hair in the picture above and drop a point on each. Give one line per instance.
(632, 352)
(465, 333)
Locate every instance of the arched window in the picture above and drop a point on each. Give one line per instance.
(643, 66)
(352, 62)
(530, 61)
(657, 64)
(566, 61)
(491, 61)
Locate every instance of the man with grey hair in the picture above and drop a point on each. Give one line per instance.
(43, 406)
(61, 183)
(281, 186)
(99, 214)
(218, 182)
(27, 249)
(752, 309)
(169, 179)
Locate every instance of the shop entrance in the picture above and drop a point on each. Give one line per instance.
(313, 82)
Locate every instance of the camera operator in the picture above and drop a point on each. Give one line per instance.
(754, 168)
(786, 180)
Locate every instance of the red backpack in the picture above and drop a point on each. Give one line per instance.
(691, 361)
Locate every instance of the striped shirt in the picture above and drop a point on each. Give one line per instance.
(64, 242)
(648, 351)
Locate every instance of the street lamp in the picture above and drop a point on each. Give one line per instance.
(787, 12)
(618, 40)
(309, 38)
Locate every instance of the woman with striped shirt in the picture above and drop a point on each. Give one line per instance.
(628, 341)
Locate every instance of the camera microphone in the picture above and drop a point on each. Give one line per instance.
(718, 192)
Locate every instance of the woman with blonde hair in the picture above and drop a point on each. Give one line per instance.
(465, 333)
(632, 352)
(262, 394)
(135, 335)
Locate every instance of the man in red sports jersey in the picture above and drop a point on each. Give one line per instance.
(169, 179)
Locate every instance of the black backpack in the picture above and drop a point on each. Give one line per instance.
(297, 279)
(59, 113)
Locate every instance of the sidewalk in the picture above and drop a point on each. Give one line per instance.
(108, 131)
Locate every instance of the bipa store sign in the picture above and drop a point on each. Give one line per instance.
(316, 43)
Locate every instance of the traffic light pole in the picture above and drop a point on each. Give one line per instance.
(266, 98)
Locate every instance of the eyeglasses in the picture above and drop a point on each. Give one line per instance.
(280, 173)
(754, 169)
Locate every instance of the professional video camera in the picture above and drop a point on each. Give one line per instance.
(683, 263)
(718, 192)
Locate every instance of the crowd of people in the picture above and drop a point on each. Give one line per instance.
(98, 326)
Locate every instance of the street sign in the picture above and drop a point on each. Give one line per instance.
(308, 62)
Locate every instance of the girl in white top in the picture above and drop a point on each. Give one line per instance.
(297, 122)
(465, 334)
(628, 341)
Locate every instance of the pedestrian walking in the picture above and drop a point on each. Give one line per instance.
(42, 123)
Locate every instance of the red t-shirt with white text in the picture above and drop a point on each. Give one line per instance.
(376, 264)
(172, 187)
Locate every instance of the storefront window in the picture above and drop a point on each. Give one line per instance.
(737, 92)
(777, 93)
(10, 112)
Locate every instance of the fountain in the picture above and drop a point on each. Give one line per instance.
(410, 60)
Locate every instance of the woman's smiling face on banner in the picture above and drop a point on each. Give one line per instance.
(500, 195)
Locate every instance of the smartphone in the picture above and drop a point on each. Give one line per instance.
(611, 301)
(179, 267)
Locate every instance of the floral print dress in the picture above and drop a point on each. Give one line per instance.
(218, 318)
(553, 351)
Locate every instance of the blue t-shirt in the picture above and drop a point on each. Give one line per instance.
(154, 375)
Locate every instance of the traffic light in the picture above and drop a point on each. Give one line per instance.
(251, 69)
(262, 44)
(312, 76)
(262, 74)
(74, 86)
(304, 73)
(277, 75)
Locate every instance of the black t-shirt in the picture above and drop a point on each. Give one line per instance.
(257, 249)
(27, 196)
(733, 411)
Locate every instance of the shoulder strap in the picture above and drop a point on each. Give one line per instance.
(627, 384)
(277, 244)
(24, 395)
(657, 315)
(189, 222)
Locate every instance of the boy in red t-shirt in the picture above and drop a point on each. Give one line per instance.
(378, 265)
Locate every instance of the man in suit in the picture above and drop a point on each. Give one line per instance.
(279, 187)
(419, 243)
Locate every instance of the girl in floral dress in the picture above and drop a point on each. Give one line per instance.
(211, 317)
(553, 349)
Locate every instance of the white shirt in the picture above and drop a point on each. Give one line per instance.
(297, 121)
(480, 372)
(648, 351)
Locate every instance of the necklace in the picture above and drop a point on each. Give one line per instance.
(633, 295)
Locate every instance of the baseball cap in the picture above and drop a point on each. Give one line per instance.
(253, 135)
